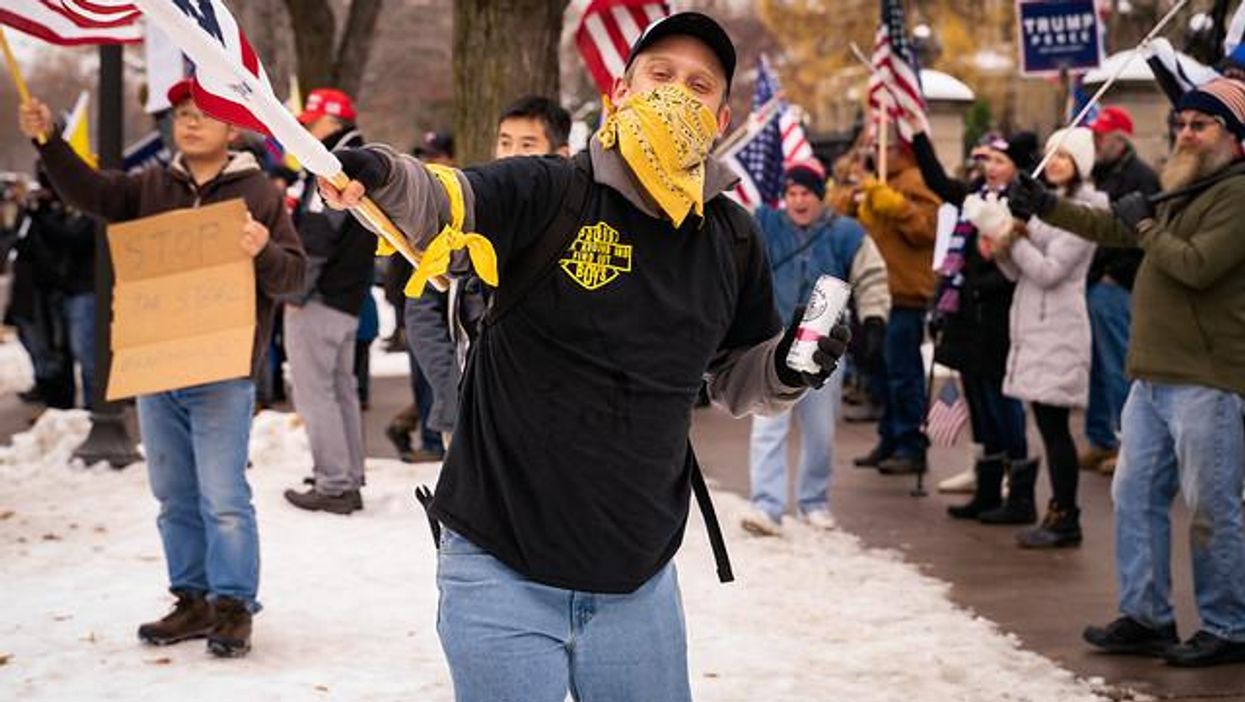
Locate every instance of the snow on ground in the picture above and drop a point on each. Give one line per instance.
(16, 373)
(350, 602)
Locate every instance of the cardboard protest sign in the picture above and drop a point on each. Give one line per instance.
(1057, 35)
(183, 304)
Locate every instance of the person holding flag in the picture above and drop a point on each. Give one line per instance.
(196, 438)
(625, 278)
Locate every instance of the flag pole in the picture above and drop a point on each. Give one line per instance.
(882, 139)
(16, 72)
(1115, 75)
(756, 121)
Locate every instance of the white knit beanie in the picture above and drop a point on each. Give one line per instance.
(1079, 144)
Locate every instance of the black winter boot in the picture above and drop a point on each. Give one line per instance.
(1019, 508)
(1060, 528)
(988, 494)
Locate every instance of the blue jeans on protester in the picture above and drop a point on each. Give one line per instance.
(998, 421)
(196, 445)
(508, 639)
(429, 438)
(1191, 439)
(818, 411)
(80, 313)
(903, 375)
(1109, 317)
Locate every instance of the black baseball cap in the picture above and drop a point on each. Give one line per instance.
(691, 24)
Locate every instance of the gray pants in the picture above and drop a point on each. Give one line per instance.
(320, 343)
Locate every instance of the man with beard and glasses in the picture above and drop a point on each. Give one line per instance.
(1182, 428)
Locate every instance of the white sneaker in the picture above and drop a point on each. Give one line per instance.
(820, 519)
(960, 482)
(757, 522)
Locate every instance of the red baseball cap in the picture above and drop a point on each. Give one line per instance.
(179, 91)
(327, 101)
(1113, 119)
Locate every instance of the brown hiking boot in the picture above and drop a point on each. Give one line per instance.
(231, 634)
(1093, 457)
(312, 501)
(191, 618)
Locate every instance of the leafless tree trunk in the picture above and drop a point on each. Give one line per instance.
(324, 61)
(503, 49)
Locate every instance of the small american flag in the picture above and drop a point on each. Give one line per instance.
(760, 163)
(607, 29)
(947, 415)
(895, 85)
(96, 13)
(54, 21)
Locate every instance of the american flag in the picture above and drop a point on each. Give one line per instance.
(947, 415)
(781, 143)
(96, 13)
(607, 29)
(895, 84)
(53, 21)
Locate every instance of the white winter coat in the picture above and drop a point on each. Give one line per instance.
(1049, 357)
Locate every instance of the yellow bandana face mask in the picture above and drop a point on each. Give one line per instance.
(664, 135)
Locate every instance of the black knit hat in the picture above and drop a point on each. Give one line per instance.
(806, 175)
(1021, 148)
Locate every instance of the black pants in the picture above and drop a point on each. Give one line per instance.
(1052, 423)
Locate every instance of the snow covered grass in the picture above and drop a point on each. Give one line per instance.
(350, 602)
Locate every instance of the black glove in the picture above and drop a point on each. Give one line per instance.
(830, 349)
(364, 165)
(1133, 209)
(1027, 196)
(874, 342)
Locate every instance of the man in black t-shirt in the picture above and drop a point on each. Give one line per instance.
(565, 492)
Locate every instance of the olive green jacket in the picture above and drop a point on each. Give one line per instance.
(1188, 317)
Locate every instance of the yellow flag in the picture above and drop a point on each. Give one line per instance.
(78, 131)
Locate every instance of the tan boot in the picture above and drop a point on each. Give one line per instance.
(1092, 457)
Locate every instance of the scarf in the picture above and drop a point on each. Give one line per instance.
(951, 273)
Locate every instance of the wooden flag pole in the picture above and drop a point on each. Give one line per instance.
(883, 128)
(22, 92)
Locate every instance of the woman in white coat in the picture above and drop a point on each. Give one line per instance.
(1048, 364)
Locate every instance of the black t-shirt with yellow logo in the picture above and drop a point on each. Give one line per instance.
(569, 459)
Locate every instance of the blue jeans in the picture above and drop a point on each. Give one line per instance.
(1191, 439)
(196, 445)
(80, 313)
(1109, 317)
(508, 639)
(904, 377)
(818, 410)
(998, 421)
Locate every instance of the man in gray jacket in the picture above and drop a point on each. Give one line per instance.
(565, 492)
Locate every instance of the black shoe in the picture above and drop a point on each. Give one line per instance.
(1060, 528)
(1129, 636)
(312, 501)
(1019, 508)
(873, 458)
(191, 618)
(1205, 649)
(988, 493)
(902, 465)
(231, 635)
(401, 440)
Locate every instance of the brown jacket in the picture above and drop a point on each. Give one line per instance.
(905, 236)
(119, 197)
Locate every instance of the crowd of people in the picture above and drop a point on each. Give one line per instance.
(535, 343)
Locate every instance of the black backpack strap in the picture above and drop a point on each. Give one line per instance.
(710, 515)
(531, 265)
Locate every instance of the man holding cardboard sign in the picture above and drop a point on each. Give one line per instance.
(195, 271)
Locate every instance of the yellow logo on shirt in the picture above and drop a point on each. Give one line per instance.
(596, 258)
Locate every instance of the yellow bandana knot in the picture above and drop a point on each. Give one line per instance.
(664, 135)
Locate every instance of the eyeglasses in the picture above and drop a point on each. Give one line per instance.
(1197, 126)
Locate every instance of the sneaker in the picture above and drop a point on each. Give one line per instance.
(820, 519)
(191, 618)
(312, 501)
(1092, 457)
(758, 523)
(231, 634)
(1205, 649)
(1129, 636)
(902, 465)
(962, 482)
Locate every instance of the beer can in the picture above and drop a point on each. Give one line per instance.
(825, 305)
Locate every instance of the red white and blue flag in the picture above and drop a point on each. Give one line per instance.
(606, 31)
(895, 84)
(781, 143)
(96, 13)
(947, 415)
(72, 23)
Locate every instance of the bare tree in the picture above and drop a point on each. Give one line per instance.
(325, 61)
(503, 49)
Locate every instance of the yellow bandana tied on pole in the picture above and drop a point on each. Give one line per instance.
(664, 135)
(436, 258)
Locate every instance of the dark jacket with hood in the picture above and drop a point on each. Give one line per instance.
(120, 197)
